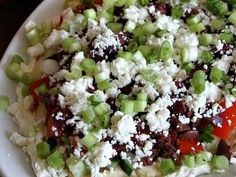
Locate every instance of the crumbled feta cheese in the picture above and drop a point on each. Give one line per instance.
(157, 122)
(186, 39)
(75, 94)
(183, 119)
(123, 133)
(212, 92)
(223, 63)
(103, 153)
(165, 22)
(137, 15)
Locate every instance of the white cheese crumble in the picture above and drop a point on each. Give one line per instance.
(135, 14)
(123, 133)
(74, 94)
(165, 22)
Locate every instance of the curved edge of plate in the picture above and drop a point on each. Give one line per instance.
(13, 162)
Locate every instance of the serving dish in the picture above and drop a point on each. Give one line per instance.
(12, 160)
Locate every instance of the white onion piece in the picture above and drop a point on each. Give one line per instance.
(50, 66)
(35, 50)
(29, 67)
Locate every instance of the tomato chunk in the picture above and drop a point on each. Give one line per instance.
(228, 123)
(189, 146)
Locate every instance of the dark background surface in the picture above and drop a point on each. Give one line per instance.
(12, 14)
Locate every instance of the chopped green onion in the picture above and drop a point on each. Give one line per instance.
(149, 28)
(101, 109)
(177, 12)
(123, 97)
(217, 7)
(207, 56)
(188, 67)
(203, 157)
(165, 51)
(145, 50)
(128, 3)
(105, 15)
(16, 59)
(142, 96)
(70, 45)
(33, 36)
(104, 85)
(74, 74)
(88, 115)
(185, 55)
(56, 160)
(217, 24)
(132, 47)
(216, 74)
(89, 140)
(25, 91)
(94, 100)
(11, 71)
(127, 107)
(220, 162)
(161, 33)
(43, 150)
(149, 75)
(126, 166)
(227, 37)
(88, 65)
(77, 167)
(233, 91)
(205, 39)
(53, 91)
(143, 2)
(42, 89)
(115, 27)
(167, 166)
(193, 20)
(199, 27)
(232, 18)
(138, 31)
(4, 102)
(139, 106)
(120, 3)
(130, 26)
(141, 40)
(198, 81)
(90, 13)
(106, 120)
(189, 161)
(125, 55)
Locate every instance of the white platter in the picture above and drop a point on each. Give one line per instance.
(13, 162)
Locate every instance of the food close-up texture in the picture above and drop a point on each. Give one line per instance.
(128, 88)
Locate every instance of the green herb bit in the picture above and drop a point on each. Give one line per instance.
(4, 102)
(43, 150)
(216, 74)
(56, 160)
(220, 162)
(167, 166)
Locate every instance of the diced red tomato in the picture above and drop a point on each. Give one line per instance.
(34, 86)
(228, 123)
(98, 2)
(189, 146)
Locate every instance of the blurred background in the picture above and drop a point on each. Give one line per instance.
(12, 14)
